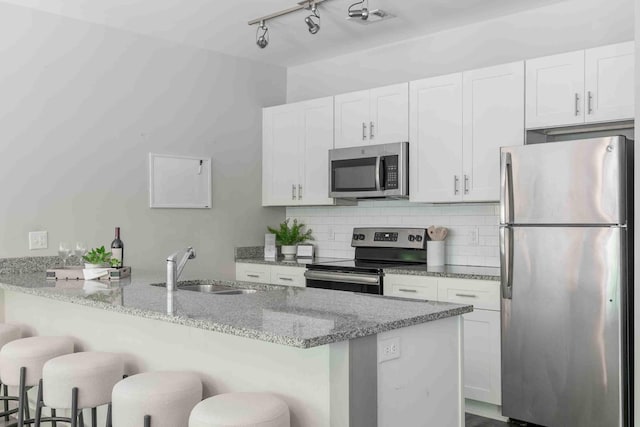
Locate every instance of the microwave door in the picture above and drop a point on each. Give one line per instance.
(355, 177)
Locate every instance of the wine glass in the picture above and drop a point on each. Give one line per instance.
(64, 250)
(80, 250)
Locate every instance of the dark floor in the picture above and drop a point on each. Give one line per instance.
(476, 421)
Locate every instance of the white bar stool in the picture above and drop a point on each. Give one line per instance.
(78, 381)
(241, 410)
(158, 399)
(8, 333)
(21, 363)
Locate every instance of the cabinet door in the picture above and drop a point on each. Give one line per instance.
(610, 82)
(257, 273)
(493, 118)
(482, 376)
(317, 129)
(352, 119)
(280, 159)
(389, 114)
(414, 287)
(288, 276)
(555, 90)
(435, 147)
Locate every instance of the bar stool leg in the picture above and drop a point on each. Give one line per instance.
(94, 417)
(81, 419)
(109, 423)
(147, 421)
(21, 394)
(74, 407)
(39, 404)
(53, 415)
(5, 393)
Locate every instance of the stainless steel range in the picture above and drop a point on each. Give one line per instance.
(376, 249)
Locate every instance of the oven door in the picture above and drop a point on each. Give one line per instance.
(341, 281)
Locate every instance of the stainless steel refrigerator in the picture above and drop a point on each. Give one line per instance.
(566, 267)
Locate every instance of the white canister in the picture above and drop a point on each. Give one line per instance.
(435, 253)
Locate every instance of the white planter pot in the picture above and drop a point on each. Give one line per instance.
(289, 252)
(90, 266)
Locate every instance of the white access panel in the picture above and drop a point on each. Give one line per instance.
(179, 182)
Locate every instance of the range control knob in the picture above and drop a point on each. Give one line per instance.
(412, 237)
(418, 238)
(355, 237)
(361, 236)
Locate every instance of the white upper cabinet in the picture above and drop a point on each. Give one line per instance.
(609, 82)
(593, 85)
(493, 117)
(352, 119)
(457, 125)
(296, 143)
(435, 148)
(376, 116)
(555, 87)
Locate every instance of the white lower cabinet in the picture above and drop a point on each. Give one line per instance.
(271, 274)
(482, 372)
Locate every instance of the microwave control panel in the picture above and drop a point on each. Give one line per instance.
(391, 172)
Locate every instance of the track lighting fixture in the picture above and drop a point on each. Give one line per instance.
(362, 13)
(262, 35)
(314, 27)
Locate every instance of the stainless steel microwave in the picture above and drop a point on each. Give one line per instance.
(371, 171)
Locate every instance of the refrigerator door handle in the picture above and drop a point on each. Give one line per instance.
(506, 262)
(506, 189)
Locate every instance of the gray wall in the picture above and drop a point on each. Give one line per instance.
(82, 105)
(561, 27)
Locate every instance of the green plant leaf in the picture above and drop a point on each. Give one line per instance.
(289, 235)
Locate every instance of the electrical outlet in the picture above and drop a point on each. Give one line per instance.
(332, 234)
(38, 240)
(388, 349)
(474, 237)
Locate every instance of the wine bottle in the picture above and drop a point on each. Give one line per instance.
(117, 248)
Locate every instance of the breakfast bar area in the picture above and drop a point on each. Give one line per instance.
(356, 360)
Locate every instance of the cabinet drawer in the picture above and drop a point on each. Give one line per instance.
(258, 273)
(416, 287)
(483, 294)
(288, 276)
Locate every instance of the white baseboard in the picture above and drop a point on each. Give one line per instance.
(484, 409)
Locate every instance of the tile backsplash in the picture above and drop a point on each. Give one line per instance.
(473, 228)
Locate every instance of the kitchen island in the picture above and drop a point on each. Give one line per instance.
(336, 358)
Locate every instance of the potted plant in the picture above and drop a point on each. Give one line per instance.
(99, 258)
(289, 236)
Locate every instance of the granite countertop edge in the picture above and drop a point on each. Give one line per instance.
(408, 271)
(209, 325)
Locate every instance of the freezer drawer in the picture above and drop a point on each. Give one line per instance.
(563, 362)
(571, 182)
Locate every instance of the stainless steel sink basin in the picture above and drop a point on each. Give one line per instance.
(216, 289)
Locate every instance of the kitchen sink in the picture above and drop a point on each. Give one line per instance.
(216, 289)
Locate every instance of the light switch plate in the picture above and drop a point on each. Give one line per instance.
(388, 349)
(38, 240)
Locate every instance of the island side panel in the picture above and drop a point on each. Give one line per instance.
(226, 363)
(423, 386)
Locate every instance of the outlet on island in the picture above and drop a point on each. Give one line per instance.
(388, 349)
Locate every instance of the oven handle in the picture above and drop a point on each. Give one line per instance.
(361, 279)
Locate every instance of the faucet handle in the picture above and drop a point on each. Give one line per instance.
(191, 252)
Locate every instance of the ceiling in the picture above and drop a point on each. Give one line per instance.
(221, 26)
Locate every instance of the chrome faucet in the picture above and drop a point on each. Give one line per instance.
(174, 270)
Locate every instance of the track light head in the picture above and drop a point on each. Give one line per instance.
(262, 35)
(314, 27)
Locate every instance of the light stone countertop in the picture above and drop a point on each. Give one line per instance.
(297, 317)
(449, 271)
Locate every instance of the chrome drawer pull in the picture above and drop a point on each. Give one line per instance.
(467, 295)
(288, 279)
(255, 276)
(408, 290)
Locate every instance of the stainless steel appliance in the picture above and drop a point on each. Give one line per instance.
(376, 248)
(372, 171)
(566, 244)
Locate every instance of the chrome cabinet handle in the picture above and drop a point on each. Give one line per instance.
(467, 295)
(413, 291)
(577, 104)
(456, 181)
(255, 276)
(364, 131)
(299, 192)
(371, 135)
(286, 279)
(589, 102)
(466, 184)
(293, 192)
(506, 189)
(506, 262)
